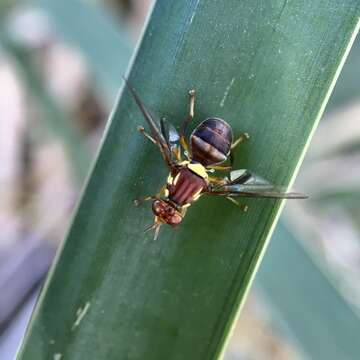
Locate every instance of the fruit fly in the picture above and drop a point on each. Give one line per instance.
(192, 162)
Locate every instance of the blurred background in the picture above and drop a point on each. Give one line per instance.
(60, 67)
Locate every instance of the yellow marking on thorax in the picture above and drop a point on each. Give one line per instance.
(198, 169)
(185, 162)
(197, 194)
(169, 179)
(176, 179)
(195, 197)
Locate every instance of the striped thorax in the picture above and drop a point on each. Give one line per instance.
(187, 184)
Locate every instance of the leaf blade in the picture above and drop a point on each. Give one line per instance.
(177, 297)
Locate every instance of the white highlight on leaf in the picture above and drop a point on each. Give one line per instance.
(80, 315)
(192, 17)
(226, 93)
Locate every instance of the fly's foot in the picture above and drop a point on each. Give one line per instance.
(243, 207)
(141, 130)
(139, 201)
(241, 138)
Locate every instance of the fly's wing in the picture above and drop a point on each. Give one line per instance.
(242, 176)
(172, 138)
(256, 192)
(155, 132)
(243, 183)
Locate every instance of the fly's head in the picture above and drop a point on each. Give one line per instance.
(166, 213)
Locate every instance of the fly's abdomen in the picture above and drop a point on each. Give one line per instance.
(211, 141)
(185, 187)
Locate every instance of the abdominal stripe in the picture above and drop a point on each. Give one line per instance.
(208, 150)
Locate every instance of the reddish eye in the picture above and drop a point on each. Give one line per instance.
(158, 207)
(175, 219)
(166, 212)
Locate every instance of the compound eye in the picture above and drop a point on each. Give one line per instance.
(158, 207)
(175, 219)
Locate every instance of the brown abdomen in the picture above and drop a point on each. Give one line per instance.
(211, 141)
(185, 186)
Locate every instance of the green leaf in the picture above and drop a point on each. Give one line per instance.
(311, 321)
(113, 293)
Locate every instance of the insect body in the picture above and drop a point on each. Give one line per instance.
(181, 190)
(191, 164)
(211, 142)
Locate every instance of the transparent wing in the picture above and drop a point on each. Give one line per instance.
(256, 192)
(155, 132)
(172, 138)
(244, 176)
(244, 183)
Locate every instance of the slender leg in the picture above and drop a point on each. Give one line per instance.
(185, 146)
(139, 201)
(220, 167)
(217, 181)
(241, 206)
(156, 227)
(241, 138)
(190, 117)
(192, 106)
(177, 153)
(183, 211)
(162, 192)
(141, 130)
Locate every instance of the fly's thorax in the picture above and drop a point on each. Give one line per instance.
(211, 141)
(185, 186)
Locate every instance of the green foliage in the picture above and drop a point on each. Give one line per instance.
(114, 293)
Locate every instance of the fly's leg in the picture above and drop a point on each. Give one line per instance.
(241, 206)
(186, 147)
(141, 130)
(190, 117)
(219, 167)
(157, 223)
(191, 111)
(177, 154)
(139, 201)
(213, 180)
(242, 137)
(183, 210)
(163, 192)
